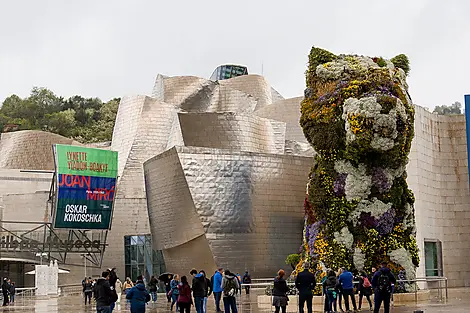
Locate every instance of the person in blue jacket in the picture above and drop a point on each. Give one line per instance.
(217, 288)
(346, 281)
(138, 296)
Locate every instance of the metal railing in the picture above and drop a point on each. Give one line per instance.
(70, 290)
(443, 290)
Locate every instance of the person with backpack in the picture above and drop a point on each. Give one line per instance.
(339, 290)
(346, 281)
(138, 296)
(329, 286)
(382, 285)
(365, 289)
(88, 290)
(153, 288)
(184, 296)
(247, 282)
(174, 283)
(230, 287)
(199, 288)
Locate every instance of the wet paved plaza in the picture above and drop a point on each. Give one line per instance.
(459, 302)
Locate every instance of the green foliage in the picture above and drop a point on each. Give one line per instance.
(316, 57)
(293, 260)
(84, 119)
(454, 108)
(402, 61)
(345, 136)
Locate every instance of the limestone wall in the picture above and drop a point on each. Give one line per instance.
(438, 175)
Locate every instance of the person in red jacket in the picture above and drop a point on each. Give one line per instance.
(184, 297)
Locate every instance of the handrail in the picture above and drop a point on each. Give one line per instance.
(411, 281)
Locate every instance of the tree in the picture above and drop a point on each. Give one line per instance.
(83, 119)
(455, 108)
(61, 123)
(293, 260)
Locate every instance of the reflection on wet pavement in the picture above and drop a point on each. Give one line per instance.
(459, 302)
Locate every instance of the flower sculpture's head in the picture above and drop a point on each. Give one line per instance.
(358, 105)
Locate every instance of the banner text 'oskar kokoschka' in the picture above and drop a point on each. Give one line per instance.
(86, 183)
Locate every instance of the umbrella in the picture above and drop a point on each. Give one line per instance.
(164, 276)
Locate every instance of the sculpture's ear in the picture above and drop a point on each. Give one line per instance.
(319, 56)
(401, 61)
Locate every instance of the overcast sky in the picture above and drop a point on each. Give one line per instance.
(114, 48)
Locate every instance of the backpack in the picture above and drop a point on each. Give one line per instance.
(383, 283)
(230, 288)
(366, 283)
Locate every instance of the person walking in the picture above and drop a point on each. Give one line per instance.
(207, 292)
(127, 286)
(346, 281)
(365, 289)
(119, 290)
(217, 289)
(184, 296)
(329, 287)
(103, 294)
(138, 296)
(167, 282)
(230, 287)
(280, 290)
(5, 291)
(112, 283)
(174, 292)
(305, 283)
(88, 290)
(12, 292)
(153, 288)
(199, 290)
(247, 282)
(240, 281)
(382, 285)
(339, 290)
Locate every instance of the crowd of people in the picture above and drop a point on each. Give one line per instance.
(8, 291)
(181, 294)
(339, 286)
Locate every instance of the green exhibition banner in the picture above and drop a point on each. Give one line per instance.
(86, 185)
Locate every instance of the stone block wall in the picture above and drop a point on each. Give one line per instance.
(438, 175)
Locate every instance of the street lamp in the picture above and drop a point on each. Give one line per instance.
(84, 256)
(40, 255)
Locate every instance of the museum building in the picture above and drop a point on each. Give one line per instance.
(213, 173)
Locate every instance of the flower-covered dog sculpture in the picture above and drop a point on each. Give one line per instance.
(358, 116)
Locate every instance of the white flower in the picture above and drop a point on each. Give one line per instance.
(358, 183)
(375, 207)
(359, 259)
(403, 258)
(367, 107)
(345, 237)
(409, 221)
(332, 70)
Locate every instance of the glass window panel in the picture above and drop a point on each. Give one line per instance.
(133, 240)
(127, 255)
(127, 240)
(432, 256)
(135, 272)
(140, 254)
(133, 254)
(128, 271)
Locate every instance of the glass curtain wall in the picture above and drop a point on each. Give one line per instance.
(141, 259)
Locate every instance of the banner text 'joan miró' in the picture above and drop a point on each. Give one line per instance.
(86, 183)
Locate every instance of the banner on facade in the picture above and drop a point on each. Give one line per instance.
(86, 185)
